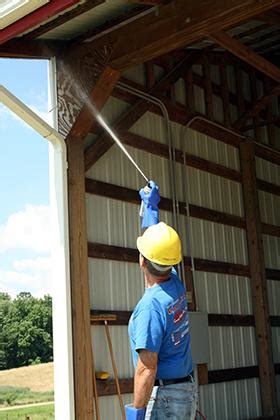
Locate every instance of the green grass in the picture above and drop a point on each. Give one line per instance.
(18, 396)
(44, 412)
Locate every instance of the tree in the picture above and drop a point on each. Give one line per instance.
(25, 330)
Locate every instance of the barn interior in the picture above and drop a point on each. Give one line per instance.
(191, 89)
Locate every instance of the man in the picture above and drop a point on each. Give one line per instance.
(164, 387)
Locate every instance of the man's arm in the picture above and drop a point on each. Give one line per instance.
(144, 377)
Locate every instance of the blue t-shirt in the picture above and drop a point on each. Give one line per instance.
(160, 323)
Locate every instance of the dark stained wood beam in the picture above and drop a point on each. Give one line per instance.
(104, 142)
(65, 17)
(108, 387)
(131, 255)
(258, 280)
(257, 106)
(98, 97)
(268, 187)
(176, 25)
(272, 155)
(246, 54)
(131, 196)
(214, 320)
(197, 162)
(29, 49)
(272, 16)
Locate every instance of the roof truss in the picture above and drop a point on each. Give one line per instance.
(246, 54)
(174, 26)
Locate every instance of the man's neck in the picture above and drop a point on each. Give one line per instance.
(151, 281)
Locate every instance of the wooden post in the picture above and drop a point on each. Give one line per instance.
(83, 360)
(83, 372)
(258, 280)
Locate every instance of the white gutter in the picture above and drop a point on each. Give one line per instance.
(62, 326)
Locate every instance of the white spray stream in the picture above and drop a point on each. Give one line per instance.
(81, 92)
(118, 142)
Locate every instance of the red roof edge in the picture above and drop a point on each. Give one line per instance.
(34, 18)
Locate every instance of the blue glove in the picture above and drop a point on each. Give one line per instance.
(150, 199)
(132, 413)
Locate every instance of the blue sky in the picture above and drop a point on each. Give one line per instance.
(24, 210)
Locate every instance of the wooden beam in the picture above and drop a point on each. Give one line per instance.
(104, 142)
(131, 255)
(108, 387)
(82, 351)
(246, 54)
(257, 106)
(17, 48)
(272, 17)
(197, 162)
(268, 187)
(176, 25)
(176, 111)
(131, 196)
(258, 279)
(214, 320)
(272, 155)
(179, 113)
(99, 95)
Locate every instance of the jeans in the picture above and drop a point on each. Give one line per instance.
(176, 402)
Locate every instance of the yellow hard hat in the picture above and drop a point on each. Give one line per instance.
(160, 244)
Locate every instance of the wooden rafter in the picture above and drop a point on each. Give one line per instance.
(17, 48)
(104, 142)
(256, 107)
(272, 16)
(246, 54)
(65, 17)
(176, 25)
(98, 97)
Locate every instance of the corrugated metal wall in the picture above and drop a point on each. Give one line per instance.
(119, 285)
(270, 213)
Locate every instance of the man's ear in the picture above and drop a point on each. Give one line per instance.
(142, 261)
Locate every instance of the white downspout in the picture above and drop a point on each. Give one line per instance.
(62, 325)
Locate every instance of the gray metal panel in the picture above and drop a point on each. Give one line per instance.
(114, 285)
(231, 400)
(273, 290)
(136, 74)
(222, 294)
(199, 99)
(110, 406)
(269, 208)
(268, 171)
(121, 350)
(271, 246)
(218, 109)
(199, 337)
(276, 344)
(232, 347)
(218, 242)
